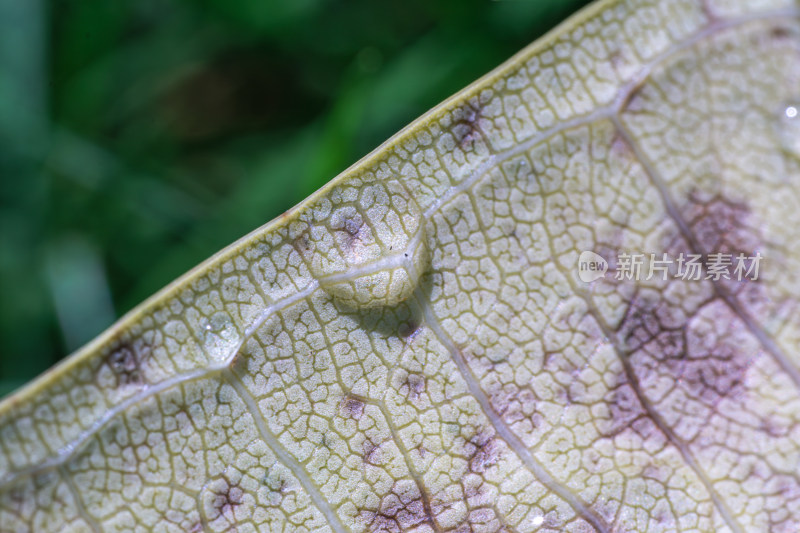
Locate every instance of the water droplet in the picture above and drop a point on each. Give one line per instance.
(789, 129)
(221, 337)
(218, 322)
(380, 264)
(385, 282)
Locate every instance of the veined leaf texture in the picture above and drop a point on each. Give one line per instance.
(488, 324)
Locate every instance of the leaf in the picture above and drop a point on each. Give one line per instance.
(415, 347)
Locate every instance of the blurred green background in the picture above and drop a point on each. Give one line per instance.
(138, 137)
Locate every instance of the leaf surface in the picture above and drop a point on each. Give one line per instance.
(413, 349)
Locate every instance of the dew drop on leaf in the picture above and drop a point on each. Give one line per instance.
(217, 322)
(220, 336)
(789, 129)
(375, 246)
